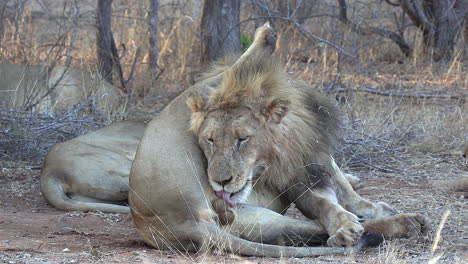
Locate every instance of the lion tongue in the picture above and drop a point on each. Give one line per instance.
(226, 196)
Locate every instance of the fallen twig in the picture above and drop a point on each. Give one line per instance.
(401, 94)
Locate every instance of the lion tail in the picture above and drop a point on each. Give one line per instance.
(53, 190)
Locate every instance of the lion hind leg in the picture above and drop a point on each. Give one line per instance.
(401, 225)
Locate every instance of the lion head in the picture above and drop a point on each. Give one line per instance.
(258, 126)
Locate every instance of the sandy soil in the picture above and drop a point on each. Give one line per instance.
(31, 231)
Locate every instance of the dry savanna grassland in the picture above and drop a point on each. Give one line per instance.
(403, 133)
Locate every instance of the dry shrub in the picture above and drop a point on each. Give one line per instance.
(27, 136)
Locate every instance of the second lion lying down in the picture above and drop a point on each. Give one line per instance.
(221, 172)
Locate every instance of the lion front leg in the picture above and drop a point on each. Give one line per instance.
(262, 225)
(353, 202)
(342, 226)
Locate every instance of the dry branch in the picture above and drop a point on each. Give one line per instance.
(441, 22)
(153, 48)
(370, 30)
(132, 69)
(117, 65)
(394, 93)
(271, 15)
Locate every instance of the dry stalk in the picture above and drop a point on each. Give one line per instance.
(438, 235)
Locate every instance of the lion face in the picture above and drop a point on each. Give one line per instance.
(236, 143)
(237, 124)
(233, 145)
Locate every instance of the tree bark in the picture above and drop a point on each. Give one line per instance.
(2, 21)
(153, 27)
(440, 21)
(448, 21)
(220, 33)
(104, 38)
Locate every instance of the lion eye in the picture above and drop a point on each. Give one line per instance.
(210, 141)
(241, 140)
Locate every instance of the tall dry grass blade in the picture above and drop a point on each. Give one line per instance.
(437, 237)
(435, 259)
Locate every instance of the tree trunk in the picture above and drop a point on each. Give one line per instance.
(104, 38)
(153, 27)
(2, 22)
(220, 33)
(440, 21)
(447, 23)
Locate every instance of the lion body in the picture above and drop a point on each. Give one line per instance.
(172, 198)
(52, 90)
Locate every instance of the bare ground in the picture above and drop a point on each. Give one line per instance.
(31, 231)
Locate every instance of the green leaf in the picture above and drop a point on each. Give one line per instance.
(245, 41)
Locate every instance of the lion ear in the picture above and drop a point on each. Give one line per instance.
(196, 102)
(277, 109)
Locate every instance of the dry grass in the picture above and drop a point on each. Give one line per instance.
(388, 134)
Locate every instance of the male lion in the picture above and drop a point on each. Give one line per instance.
(52, 90)
(258, 142)
(217, 185)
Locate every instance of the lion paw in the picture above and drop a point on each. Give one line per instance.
(348, 233)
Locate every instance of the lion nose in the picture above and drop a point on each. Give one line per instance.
(225, 182)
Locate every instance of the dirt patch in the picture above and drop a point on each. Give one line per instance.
(31, 231)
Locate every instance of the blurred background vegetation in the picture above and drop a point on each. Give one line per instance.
(397, 68)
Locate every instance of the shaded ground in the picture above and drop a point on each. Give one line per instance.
(33, 232)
